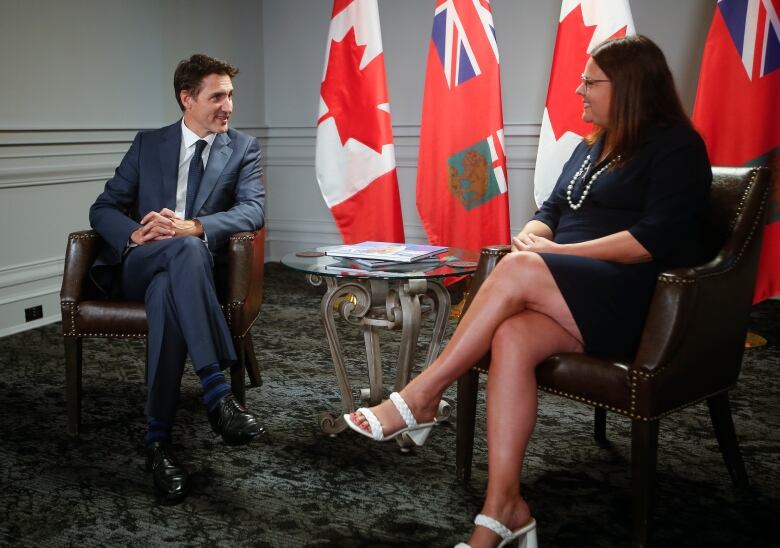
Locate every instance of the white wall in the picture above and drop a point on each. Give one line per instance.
(78, 78)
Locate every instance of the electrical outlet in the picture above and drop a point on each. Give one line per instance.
(33, 313)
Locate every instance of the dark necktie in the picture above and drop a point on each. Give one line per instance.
(194, 176)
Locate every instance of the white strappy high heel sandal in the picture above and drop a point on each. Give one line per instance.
(417, 432)
(525, 536)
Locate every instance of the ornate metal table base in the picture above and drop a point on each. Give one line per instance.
(374, 304)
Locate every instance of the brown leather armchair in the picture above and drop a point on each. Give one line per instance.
(691, 347)
(84, 315)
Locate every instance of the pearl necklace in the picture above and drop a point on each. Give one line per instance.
(581, 173)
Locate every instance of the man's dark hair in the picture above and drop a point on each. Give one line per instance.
(190, 73)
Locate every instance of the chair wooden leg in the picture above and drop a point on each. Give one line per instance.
(73, 383)
(252, 367)
(237, 373)
(468, 385)
(722, 422)
(644, 453)
(600, 426)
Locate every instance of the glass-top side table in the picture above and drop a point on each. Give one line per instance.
(391, 298)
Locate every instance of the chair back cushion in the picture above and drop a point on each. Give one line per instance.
(727, 198)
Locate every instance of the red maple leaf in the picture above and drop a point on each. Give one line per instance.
(353, 95)
(571, 53)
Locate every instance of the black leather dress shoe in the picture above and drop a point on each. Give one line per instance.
(168, 474)
(236, 425)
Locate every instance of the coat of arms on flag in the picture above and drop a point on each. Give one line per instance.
(476, 174)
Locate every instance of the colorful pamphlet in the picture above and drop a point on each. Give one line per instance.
(385, 251)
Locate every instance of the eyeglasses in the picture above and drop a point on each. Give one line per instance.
(588, 82)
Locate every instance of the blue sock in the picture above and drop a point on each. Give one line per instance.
(212, 381)
(158, 430)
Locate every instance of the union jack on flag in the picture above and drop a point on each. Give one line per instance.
(755, 29)
(452, 42)
(737, 108)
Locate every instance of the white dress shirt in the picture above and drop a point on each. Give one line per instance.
(186, 151)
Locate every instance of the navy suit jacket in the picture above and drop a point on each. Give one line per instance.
(231, 196)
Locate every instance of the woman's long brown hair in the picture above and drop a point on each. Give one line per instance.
(643, 93)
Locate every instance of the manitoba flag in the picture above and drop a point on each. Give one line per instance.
(737, 107)
(355, 159)
(461, 172)
(583, 25)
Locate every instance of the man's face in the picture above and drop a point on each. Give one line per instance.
(209, 111)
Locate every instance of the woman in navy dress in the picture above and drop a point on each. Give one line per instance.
(628, 204)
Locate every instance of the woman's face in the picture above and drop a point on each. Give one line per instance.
(596, 92)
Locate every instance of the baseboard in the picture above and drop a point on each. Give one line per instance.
(30, 325)
(29, 285)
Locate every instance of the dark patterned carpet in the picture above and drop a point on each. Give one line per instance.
(307, 489)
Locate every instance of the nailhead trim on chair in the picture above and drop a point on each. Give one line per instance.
(494, 252)
(70, 306)
(755, 221)
(645, 374)
(73, 308)
(630, 414)
(242, 238)
(681, 281)
(230, 307)
(106, 335)
(82, 235)
(754, 174)
(586, 400)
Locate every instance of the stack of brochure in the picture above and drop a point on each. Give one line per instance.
(377, 255)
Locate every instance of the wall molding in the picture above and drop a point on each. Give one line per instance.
(57, 175)
(20, 274)
(294, 146)
(31, 295)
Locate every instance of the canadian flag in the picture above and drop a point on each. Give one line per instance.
(583, 25)
(355, 157)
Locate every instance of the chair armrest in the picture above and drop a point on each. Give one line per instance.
(488, 259)
(705, 307)
(80, 253)
(246, 261)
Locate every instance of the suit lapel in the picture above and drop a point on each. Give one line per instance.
(218, 159)
(170, 146)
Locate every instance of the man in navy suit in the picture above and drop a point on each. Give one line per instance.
(165, 218)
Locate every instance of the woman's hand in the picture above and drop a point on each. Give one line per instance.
(538, 244)
(537, 229)
(620, 247)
